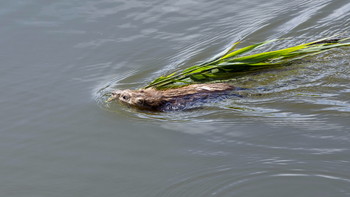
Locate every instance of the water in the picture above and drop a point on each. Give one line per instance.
(289, 138)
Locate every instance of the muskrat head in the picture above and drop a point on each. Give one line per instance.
(137, 98)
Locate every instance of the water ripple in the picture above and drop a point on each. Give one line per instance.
(224, 181)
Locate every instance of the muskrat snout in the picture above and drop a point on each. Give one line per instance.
(114, 95)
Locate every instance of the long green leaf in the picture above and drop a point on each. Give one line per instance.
(244, 50)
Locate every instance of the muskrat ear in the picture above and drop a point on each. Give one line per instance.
(140, 101)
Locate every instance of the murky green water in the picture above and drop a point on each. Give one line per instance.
(289, 137)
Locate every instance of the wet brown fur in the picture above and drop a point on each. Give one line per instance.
(170, 99)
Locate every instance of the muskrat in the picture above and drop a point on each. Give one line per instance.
(166, 93)
(172, 99)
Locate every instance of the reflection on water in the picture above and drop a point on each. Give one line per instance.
(287, 136)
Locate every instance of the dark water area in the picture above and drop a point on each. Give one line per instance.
(289, 137)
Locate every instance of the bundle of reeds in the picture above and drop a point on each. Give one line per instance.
(233, 63)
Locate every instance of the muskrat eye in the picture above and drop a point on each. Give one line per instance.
(125, 97)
